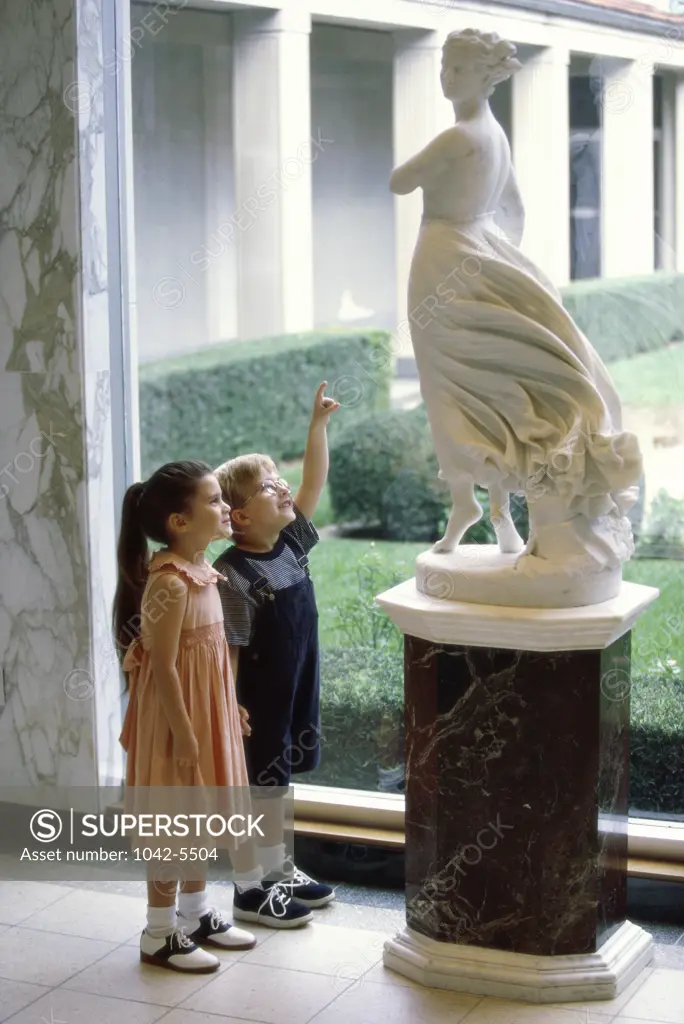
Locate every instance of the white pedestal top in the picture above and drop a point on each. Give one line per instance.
(592, 627)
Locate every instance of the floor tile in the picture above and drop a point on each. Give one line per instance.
(81, 1008)
(93, 915)
(18, 900)
(344, 953)
(369, 1003)
(633, 1020)
(14, 995)
(382, 975)
(44, 958)
(122, 974)
(351, 915)
(660, 998)
(266, 994)
(193, 1017)
(501, 1011)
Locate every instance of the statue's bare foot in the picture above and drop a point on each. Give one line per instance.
(444, 546)
(464, 514)
(509, 540)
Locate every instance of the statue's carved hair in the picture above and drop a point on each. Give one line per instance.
(488, 49)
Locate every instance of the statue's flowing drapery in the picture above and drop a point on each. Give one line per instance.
(514, 392)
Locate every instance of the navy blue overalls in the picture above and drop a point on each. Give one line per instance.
(278, 675)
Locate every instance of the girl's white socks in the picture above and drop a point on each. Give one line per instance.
(191, 906)
(161, 921)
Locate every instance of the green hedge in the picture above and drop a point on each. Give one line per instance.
(657, 742)
(257, 395)
(368, 456)
(627, 316)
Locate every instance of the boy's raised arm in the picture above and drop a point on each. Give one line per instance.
(315, 470)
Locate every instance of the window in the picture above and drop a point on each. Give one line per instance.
(267, 248)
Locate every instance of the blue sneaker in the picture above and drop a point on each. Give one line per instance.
(305, 890)
(271, 906)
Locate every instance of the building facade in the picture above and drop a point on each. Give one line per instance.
(312, 105)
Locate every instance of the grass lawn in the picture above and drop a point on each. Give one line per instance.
(658, 634)
(651, 379)
(334, 566)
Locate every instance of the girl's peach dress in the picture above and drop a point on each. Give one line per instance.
(206, 681)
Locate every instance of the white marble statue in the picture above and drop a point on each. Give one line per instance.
(517, 398)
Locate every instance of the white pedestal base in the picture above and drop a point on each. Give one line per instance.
(531, 979)
(480, 574)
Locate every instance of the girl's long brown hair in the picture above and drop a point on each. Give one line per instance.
(144, 517)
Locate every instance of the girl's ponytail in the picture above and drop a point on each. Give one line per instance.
(145, 513)
(132, 571)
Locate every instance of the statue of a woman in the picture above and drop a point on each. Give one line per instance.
(517, 398)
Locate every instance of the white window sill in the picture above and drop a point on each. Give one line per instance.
(384, 812)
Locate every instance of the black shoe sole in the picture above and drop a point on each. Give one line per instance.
(270, 922)
(315, 904)
(226, 949)
(158, 961)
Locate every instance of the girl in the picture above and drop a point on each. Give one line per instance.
(183, 726)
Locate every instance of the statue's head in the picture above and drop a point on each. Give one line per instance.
(474, 62)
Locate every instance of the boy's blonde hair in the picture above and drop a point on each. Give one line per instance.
(238, 477)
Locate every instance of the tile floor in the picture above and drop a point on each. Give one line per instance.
(69, 956)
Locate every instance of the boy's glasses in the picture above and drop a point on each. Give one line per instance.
(270, 487)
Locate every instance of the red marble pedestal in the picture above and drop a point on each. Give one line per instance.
(517, 772)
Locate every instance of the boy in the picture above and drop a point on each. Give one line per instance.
(271, 623)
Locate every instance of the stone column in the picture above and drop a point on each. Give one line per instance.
(541, 157)
(221, 274)
(672, 173)
(274, 150)
(627, 198)
(517, 771)
(62, 306)
(420, 113)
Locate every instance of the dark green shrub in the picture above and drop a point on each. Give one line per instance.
(256, 396)
(626, 316)
(413, 507)
(366, 458)
(383, 477)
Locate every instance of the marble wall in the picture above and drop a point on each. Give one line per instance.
(61, 714)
